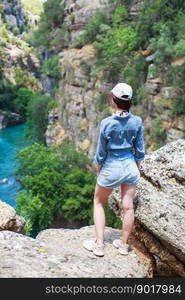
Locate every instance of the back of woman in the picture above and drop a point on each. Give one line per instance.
(120, 150)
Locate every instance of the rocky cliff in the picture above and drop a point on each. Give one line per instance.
(80, 90)
(19, 63)
(59, 253)
(160, 206)
(82, 96)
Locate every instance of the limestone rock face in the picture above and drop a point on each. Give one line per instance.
(160, 200)
(78, 97)
(59, 253)
(13, 14)
(161, 192)
(9, 220)
(78, 13)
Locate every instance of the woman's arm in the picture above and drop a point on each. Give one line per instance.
(101, 150)
(138, 163)
(139, 146)
(98, 168)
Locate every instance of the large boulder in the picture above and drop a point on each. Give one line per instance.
(161, 191)
(9, 220)
(161, 202)
(59, 253)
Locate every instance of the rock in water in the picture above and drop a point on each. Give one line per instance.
(59, 253)
(4, 180)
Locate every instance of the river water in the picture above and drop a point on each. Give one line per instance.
(12, 139)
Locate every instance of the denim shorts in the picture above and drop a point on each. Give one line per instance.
(118, 170)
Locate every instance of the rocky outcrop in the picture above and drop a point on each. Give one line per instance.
(9, 220)
(160, 205)
(18, 61)
(59, 253)
(9, 119)
(78, 13)
(13, 15)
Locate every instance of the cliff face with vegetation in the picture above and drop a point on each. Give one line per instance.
(18, 63)
(121, 43)
(75, 52)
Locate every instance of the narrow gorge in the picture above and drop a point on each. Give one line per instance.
(72, 53)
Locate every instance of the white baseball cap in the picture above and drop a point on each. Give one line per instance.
(121, 90)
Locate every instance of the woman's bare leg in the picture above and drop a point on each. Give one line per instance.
(127, 195)
(100, 197)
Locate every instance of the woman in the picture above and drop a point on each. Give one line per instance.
(119, 153)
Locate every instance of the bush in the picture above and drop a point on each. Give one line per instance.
(50, 67)
(122, 40)
(92, 29)
(119, 16)
(179, 48)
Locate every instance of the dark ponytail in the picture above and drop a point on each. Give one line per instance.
(123, 104)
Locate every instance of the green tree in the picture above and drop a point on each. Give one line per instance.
(23, 96)
(163, 47)
(50, 19)
(54, 12)
(37, 116)
(54, 183)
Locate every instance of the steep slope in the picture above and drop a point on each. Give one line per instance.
(86, 76)
(19, 64)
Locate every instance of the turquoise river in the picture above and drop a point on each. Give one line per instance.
(12, 139)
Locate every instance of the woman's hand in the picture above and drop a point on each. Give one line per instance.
(138, 163)
(98, 168)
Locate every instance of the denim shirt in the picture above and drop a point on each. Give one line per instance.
(120, 135)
